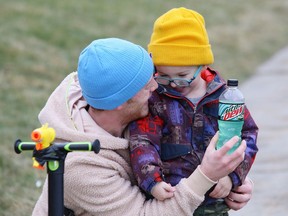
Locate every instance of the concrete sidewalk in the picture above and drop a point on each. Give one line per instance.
(266, 96)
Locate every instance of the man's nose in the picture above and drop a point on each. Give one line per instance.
(154, 85)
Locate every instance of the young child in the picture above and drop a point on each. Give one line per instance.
(170, 142)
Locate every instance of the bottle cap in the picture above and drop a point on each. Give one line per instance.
(232, 82)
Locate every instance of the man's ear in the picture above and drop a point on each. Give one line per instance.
(120, 107)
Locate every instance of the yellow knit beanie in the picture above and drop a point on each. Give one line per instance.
(179, 38)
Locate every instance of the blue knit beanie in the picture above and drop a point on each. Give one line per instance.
(111, 71)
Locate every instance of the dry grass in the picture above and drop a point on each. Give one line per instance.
(41, 40)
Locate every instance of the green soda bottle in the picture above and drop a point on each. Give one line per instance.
(230, 114)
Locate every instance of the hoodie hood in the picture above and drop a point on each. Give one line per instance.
(66, 112)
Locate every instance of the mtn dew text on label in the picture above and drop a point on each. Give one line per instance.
(231, 112)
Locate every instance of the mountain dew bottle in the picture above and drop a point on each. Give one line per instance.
(230, 114)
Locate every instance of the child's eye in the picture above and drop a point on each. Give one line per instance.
(182, 75)
(163, 75)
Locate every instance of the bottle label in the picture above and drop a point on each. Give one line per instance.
(231, 112)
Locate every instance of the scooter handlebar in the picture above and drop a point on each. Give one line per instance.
(20, 146)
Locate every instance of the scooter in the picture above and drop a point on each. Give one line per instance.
(53, 155)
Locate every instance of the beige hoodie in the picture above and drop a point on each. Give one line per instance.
(103, 184)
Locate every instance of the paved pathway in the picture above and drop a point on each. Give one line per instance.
(266, 96)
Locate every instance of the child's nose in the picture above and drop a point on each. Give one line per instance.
(173, 85)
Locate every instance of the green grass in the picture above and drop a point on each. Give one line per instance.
(41, 40)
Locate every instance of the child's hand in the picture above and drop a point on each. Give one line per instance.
(162, 191)
(241, 195)
(222, 188)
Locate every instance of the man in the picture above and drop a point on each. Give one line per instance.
(110, 89)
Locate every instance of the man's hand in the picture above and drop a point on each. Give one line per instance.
(217, 163)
